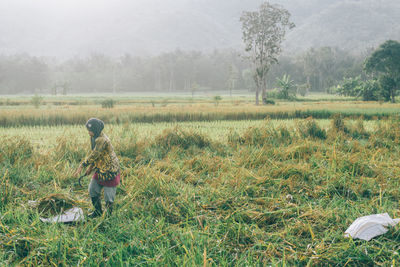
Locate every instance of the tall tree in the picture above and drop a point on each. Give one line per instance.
(263, 33)
(385, 61)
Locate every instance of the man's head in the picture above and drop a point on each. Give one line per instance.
(94, 126)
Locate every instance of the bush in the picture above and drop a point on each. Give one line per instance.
(217, 98)
(108, 103)
(37, 100)
(267, 101)
(350, 87)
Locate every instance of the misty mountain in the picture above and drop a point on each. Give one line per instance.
(148, 27)
(351, 25)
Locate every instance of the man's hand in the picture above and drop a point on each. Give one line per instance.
(78, 171)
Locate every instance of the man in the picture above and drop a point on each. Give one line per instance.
(103, 160)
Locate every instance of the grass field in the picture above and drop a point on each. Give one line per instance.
(74, 110)
(220, 192)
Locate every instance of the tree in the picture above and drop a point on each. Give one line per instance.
(385, 61)
(287, 87)
(350, 87)
(369, 90)
(263, 33)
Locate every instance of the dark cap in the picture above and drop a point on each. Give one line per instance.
(95, 125)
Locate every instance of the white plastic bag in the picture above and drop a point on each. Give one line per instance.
(370, 226)
(72, 215)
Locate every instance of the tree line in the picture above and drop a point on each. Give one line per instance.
(178, 71)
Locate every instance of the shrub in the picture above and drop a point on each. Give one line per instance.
(37, 100)
(267, 101)
(217, 99)
(108, 103)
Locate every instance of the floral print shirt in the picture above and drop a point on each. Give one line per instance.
(103, 159)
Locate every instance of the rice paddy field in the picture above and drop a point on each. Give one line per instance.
(215, 189)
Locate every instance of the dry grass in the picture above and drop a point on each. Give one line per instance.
(76, 115)
(269, 195)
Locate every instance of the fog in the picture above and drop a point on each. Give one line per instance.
(148, 27)
(76, 27)
(178, 45)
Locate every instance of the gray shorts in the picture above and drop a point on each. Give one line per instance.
(95, 191)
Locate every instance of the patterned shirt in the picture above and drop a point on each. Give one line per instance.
(103, 159)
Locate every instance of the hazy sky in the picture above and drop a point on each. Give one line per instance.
(72, 27)
(59, 27)
(65, 28)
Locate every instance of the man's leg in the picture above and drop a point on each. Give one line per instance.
(109, 196)
(95, 195)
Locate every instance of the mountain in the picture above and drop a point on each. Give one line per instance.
(148, 27)
(350, 25)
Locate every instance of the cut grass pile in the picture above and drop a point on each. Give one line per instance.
(54, 204)
(269, 195)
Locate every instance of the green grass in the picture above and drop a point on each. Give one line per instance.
(219, 193)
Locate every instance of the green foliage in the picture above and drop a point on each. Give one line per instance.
(267, 101)
(108, 103)
(350, 87)
(287, 87)
(370, 90)
(386, 61)
(386, 84)
(37, 100)
(217, 99)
